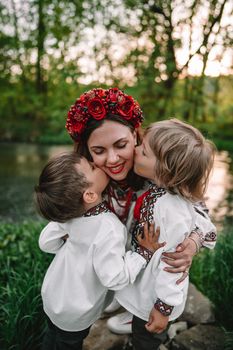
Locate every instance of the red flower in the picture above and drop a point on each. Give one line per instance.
(96, 108)
(78, 128)
(126, 107)
(113, 94)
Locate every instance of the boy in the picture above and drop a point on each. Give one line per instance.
(89, 243)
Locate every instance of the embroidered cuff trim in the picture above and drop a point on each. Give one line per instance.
(200, 234)
(163, 308)
(211, 237)
(144, 252)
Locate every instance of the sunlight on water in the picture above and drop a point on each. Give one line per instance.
(221, 181)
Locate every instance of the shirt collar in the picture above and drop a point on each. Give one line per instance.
(98, 209)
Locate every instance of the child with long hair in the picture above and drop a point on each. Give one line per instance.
(177, 159)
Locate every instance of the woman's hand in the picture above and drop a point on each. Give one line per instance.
(181, 259)
(150, 237)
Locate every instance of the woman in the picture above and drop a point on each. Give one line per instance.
(105, 125)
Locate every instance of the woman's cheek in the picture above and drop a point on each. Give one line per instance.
(98, 160)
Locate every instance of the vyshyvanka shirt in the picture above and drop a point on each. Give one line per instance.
(203, 226)
(90, 262)
(176, 218)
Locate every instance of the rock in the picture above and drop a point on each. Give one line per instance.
(198, 308)
(176, 328)
(200, 337)
(163, 347)
(100, 338)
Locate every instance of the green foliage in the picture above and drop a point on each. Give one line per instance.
(23, 266)
(228, 341)
(212, 273)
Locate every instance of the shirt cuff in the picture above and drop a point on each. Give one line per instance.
(163, 308)
(144, 252)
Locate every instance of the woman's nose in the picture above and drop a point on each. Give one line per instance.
(113, 157)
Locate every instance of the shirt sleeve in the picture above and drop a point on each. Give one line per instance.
(175, 222)
(204, 228)
(114, 267)
(50, 240)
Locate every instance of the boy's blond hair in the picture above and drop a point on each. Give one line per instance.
(184, 158)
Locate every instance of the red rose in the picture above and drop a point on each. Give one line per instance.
(126, 107)
(78, 128)
(96, 109)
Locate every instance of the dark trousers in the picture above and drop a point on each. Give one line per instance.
(57, 339)
(144, 340)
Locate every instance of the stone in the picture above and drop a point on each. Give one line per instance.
(198, 308)
(176, 328)
(100, 338)
(200, 337)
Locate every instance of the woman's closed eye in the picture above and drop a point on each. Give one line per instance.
(121, 145)
(98, 151)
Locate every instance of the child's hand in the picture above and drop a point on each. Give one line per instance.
(157, 322)
(150, 238)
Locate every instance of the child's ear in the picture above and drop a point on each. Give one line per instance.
(89, 196)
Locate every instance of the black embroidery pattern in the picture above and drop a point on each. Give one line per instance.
(211, 236)
(163, 308)
(146, 212)
(98, 209)
(145, 253)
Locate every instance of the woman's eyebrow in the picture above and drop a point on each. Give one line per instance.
(96, 147)
(117, 141)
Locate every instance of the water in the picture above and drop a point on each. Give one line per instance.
(21, 164)
(20, 168)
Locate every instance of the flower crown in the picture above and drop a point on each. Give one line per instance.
(97, 104)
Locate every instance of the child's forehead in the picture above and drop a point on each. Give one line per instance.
(83, 164)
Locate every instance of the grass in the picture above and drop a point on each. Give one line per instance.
(23, 266)
(212, 273)
(22, 269)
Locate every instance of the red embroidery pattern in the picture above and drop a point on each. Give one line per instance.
(144, 210)
(98, 209)
(163, 308)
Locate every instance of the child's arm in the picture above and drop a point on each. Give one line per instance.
(204, 235)
(52, 237)
(114, 267)
(175, 222)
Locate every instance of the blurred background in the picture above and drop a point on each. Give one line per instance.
(174, 56)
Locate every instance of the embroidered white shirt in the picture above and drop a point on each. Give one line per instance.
(176, 218)
(91, 262)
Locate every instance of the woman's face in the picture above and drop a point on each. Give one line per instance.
(112, 149)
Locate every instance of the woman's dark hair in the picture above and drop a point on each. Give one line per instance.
(134, 181)
(59, 194)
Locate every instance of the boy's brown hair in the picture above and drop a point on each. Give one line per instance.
(59, 194)
(184, 158)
